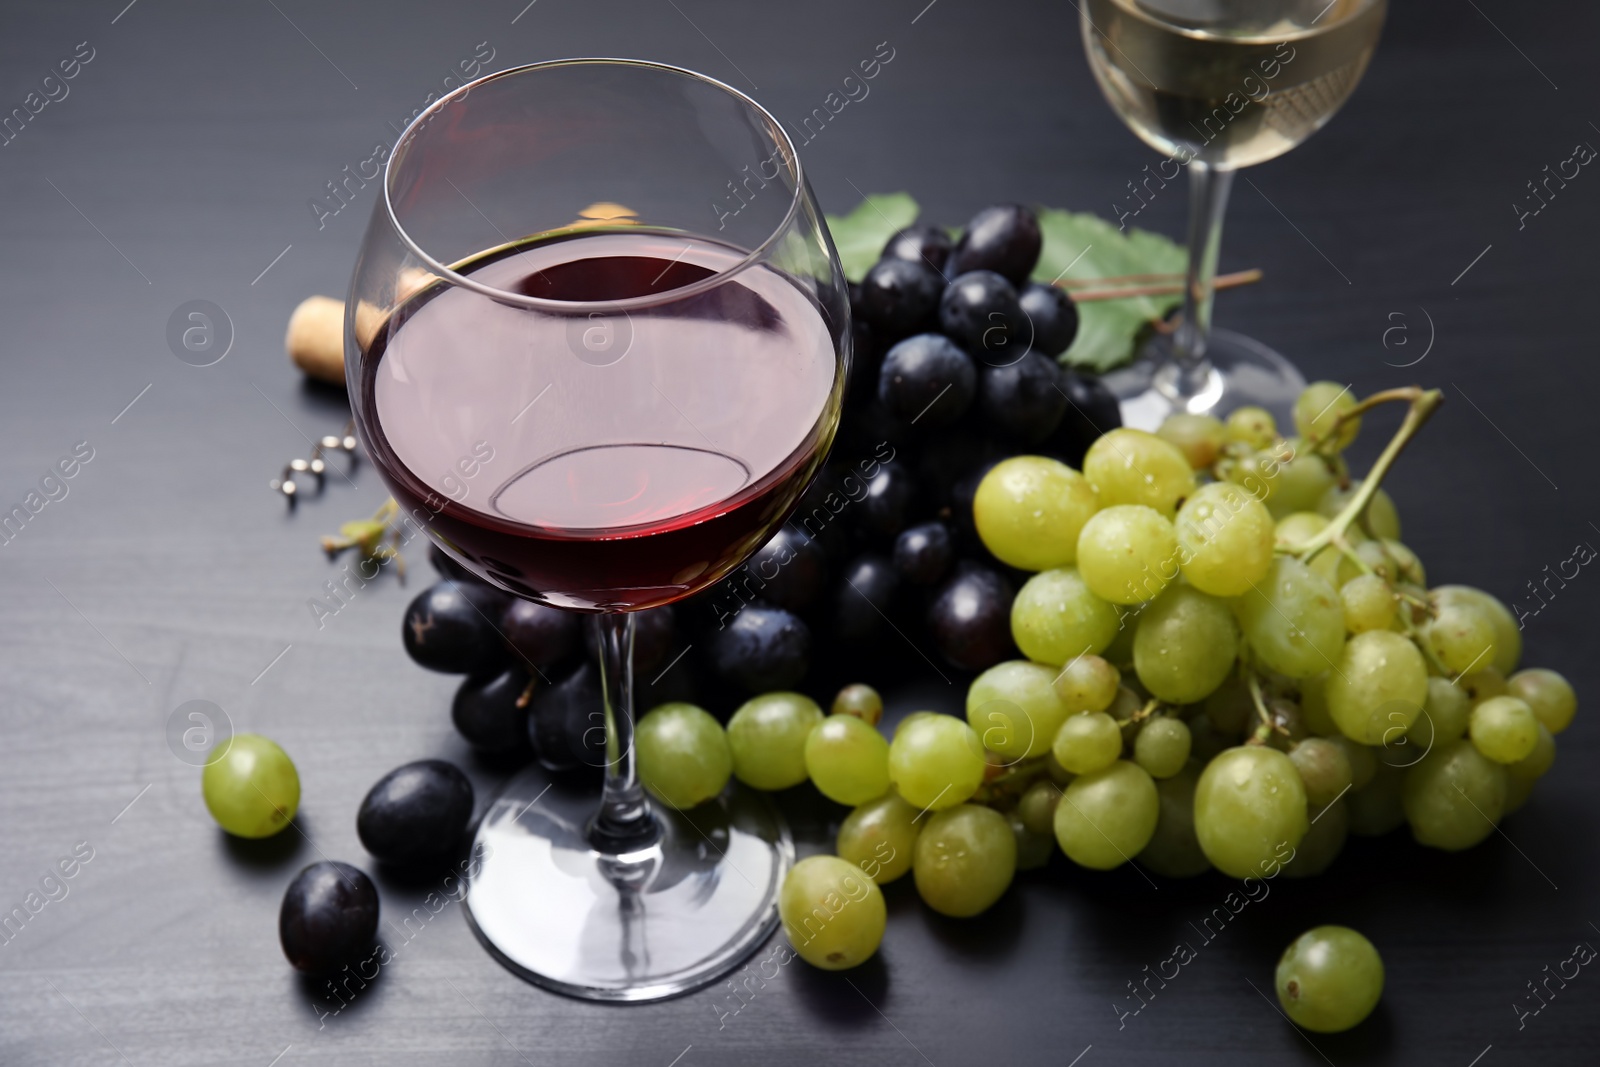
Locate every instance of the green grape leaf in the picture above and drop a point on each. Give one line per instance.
(861, 235)
(1083, 246)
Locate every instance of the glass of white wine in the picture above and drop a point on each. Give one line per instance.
(1218, 85)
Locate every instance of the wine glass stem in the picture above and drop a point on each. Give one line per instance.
(624, 822)
(1208, 199)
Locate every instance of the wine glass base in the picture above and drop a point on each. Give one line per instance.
(1243, 372)
(645, 925)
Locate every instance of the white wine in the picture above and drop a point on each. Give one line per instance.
(1229, 82)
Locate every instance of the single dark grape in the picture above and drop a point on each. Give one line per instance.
(416, 813)
(1053, 315)
(1092, 410)
(899, 297)
(891, 495)
(329, 917)
(946, 458)
(920, 244)
(923, 553)
(926, 381)
(865, 358)
(447, 566)
(762, 648)
(970, 618)
(538, 634)
(866, 596)
(491, 712)
(554, 711)
(451, 627)
(1004, 238)
(1024, 401)
(788, 571)
(980, 312)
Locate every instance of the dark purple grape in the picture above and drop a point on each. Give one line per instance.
(561, 713)
(920, 244)
(891, 494)
(492, 712)
(923, 553)
(417, 813)
(949, 457)
(762, 649)
(1004, 238)
(979, 311)
(1023, 402)
(789, 570)
(448, 566)
(1053, 315)
(865, 598)
(329, 917)
(971, 618)
(538, 634)
(899, 297)
(927, 382)
(451, 627)
(1092, 410)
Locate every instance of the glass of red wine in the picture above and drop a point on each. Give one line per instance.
(596, 342)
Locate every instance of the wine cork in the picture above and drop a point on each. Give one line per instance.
(316, 338)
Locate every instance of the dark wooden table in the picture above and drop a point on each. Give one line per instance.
(178, 167)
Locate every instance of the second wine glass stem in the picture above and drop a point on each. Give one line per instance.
(624, 822)
(1208, 200)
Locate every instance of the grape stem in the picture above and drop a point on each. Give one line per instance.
(1263, 731)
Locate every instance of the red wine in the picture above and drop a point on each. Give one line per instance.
(604, 462)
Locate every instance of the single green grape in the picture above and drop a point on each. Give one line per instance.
(1088, 742)
(1293, 620)
(1185, 645)
(1324, 840)
(1029, 509)
(1378, 808)
(1454, 796)
(1504, 729)
(1533, 766)
(1199, 437)
(1548, 694)
(1225, 537)
(936, 762)
(1087, 683)
(1378, 688)
(1015, 710)
(1173, 850)
(1507, 634)
(1056, 617)
(1261, 474)
(1369, 604)
(859, 700)
(878, 837)
(1460, 636)
(964, 860)
(1317, 411)
(1403, 565)
(1329, 979)
(848, 761)
(683, 754)
(1033, 849)
(1162, 747)
(1128, 553)
(1324, 769)
(252, 788)
(1302, 480)
(1444, 715)
(1134, 467)
(1107, 817)
(909, 719)
(1381, 519)
(767, 736)
(1037, 808)
(1252, 425)
(1250, 811)
(832, 913)
(1296, 528)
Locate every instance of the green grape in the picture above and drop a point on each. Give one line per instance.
(1185, 645)
(936, 762)
(683, 754)
(1324, 769)
(1407, 564)
(878, 837)
(1088, 742)
(1162, 748)
(1548, 694)
(1380, 519)
(1260, 474)
(1055, 617)
(1249, 811)
(1329, 979)
(1015, 710)
(1135, 467)
(1532, 767)
(848, 761)
(1029, 509)
(1484, 685)
(1301, 482)
(1033, 849)
(1174, 851)
(1504, 729)
(1087, 683)
(1225, 537)
(1454, 796)
(832, 913)
(1108, 817)
(768, 738)
(859, 700)
(1507, 634)
(909, 719)
(251, 788)
(1444, 715)
(964, 860)
(1378, 688)
(1314, 706)
(1128, 553)
(1293, 620)
(1317, 410)
(1254, 426)
(1369, 604)
(1296, 528)
(1199, 437)
(1460, 636)
(1037, 808)
(1376, 808)
(1324, 840)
